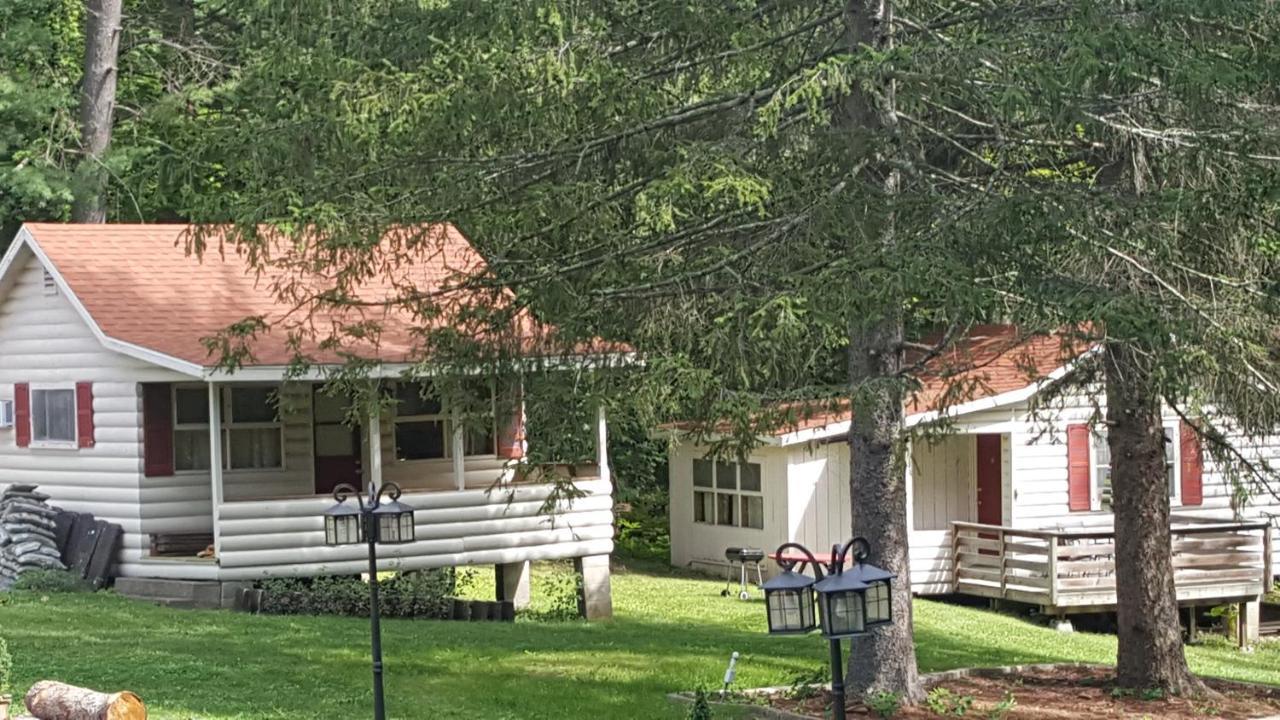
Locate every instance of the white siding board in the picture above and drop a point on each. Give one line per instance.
(43, 339)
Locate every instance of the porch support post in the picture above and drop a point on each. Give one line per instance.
(215, 463)
(459, 452)
(512, 583)
(602, 445)
(596, 601)
(375, 447)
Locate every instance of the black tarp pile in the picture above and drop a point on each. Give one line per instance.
(28, 534)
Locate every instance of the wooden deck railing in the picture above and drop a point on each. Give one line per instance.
(1075, 569)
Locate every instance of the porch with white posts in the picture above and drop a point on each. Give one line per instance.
(489, 513)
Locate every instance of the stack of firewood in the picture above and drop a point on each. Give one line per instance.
(27, 534)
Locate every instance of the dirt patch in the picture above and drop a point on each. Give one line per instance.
(1063, 693)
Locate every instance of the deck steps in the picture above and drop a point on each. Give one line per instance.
(173, 593)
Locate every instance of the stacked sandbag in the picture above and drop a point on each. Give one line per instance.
(27, 534)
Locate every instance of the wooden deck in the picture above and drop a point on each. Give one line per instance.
(1073, 571)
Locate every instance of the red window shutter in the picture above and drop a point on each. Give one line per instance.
(22, 414)
(1192, 470)
(84, 414)
(157, 430)
(1078, 467)
(511, 429)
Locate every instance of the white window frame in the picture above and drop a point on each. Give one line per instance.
(447, 423)
(228, 424)
(74, 442)
(1095, 492)
(737, 494)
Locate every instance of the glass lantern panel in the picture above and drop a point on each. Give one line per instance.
(330, 531)
(790, 610)
(346, 529)
(389, 529)
(844, 614)
(879, 603)
(406, 527)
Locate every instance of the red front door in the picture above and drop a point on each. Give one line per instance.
(337, 445)
(990, 480)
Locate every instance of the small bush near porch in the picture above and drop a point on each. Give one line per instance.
(670, 633)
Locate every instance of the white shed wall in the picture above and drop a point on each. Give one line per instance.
(701, 545)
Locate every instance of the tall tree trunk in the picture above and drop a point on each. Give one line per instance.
(97, 107)
(1150, 654)
(885, 658)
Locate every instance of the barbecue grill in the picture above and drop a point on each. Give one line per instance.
(741, 556)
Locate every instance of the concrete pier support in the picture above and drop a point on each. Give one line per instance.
(511, 583)
(596, 600)
(1249, 624)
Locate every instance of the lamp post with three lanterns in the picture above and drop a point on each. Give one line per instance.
(849, 602)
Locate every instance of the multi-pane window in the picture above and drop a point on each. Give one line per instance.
(1102, 467)
(53, 415)
(424, 431)
(252, 434)
(727, 493)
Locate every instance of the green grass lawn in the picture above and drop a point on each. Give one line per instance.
(671, 633)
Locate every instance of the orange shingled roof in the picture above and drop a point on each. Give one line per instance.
(141, 286)
(991, 360)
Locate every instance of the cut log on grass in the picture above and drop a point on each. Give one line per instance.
(49, 700)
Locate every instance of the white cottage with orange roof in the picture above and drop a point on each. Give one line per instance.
(119, 409)
(1012, 503)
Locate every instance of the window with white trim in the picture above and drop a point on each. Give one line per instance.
(252, 434)
(1101, 464)
(423, 431)
(727, 493)
(53, 415)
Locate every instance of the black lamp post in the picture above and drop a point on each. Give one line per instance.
(849, 602)
(381, 518)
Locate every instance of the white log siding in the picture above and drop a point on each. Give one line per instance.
(701, 545)
(180, 503)
(276, 538)
(44, 339)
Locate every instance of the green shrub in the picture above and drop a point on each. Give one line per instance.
(6, 664)
(701, 707)
(52, 581)
(942, 701)
(560, 588)
(884, 703)
(419, 594)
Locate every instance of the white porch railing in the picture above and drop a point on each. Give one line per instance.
(285, 538)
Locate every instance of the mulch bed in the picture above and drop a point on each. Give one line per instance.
(1068, 693)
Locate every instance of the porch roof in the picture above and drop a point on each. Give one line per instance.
(142, 288)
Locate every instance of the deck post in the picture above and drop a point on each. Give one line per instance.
(602, 444)
(1004, 573)
(375, 447)
(1053, 570)
(459, 452)
(215, 463)
(955, 558)
(1191, 624)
